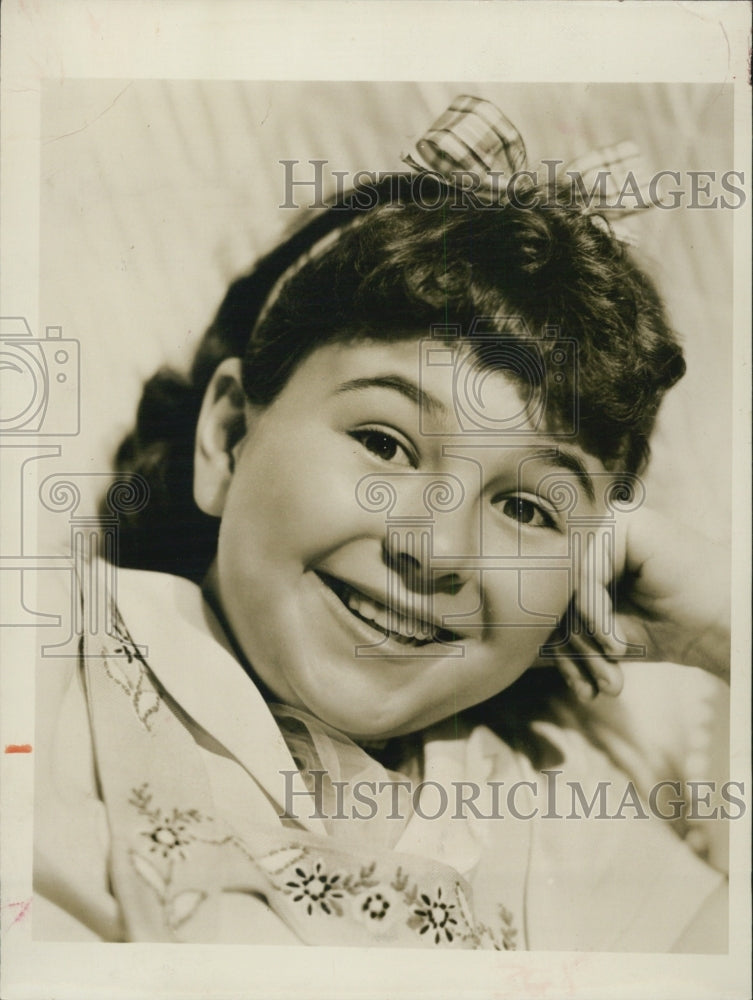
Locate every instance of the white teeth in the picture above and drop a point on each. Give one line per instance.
(386, 618)
(362, 606)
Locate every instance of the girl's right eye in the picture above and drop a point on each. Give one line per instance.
(385, 446)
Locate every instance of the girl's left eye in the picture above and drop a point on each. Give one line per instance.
(383, 445)
(527, 512)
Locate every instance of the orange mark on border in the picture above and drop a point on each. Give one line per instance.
(18, 748)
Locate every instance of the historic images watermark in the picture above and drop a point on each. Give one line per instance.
(544, 798)
(314, 184)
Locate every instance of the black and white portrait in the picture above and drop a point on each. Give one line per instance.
(374, 540)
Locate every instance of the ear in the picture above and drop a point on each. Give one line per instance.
(220, 428)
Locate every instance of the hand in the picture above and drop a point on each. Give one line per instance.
(673, 592)
(662, 594)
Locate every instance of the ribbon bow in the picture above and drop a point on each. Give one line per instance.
(473, 137)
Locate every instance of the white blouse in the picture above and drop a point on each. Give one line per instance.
(163, 778)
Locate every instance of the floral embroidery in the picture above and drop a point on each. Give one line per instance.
(168, 838)
(481, 934)
(509, 931)
(436, 916)
(400, 884)
(130, 671)
(464, 906)
(276, 862)
(169, 835)
(375, 907)
(129, 651)
(170, 832)
(364, 880)
(177, 907)
(317, 888)
(318, 884)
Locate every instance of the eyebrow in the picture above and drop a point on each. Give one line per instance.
(562, 459)
(397, 383)
(559, 459)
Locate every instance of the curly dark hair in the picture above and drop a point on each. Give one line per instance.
(394, 269)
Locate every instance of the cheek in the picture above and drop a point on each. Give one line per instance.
(530, 597)
(291, 499)
(546, 591)
(525, 607)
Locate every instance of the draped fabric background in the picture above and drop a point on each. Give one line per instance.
(155, 194)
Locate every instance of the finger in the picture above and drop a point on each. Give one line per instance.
(605, 674)
(584, 688)
(593, 602)
(583, 597)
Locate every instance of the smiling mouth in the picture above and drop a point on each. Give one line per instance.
(409, 630)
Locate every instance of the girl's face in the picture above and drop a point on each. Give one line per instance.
(382, 611)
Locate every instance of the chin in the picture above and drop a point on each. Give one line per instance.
(370, 724)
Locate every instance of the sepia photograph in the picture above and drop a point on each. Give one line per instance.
(375, 566)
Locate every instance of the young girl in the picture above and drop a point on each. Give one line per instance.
(385, 491)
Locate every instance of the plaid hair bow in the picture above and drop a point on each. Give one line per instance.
(473, 137)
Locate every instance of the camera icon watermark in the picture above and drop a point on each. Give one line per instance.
(538, 366)
(40, 381)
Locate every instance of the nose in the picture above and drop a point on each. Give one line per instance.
(429, 556)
